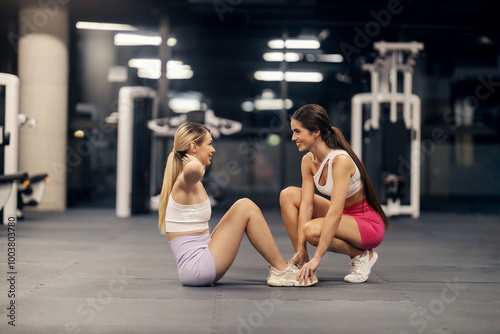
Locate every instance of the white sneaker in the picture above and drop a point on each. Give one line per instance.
(287, 277)
(361, 266)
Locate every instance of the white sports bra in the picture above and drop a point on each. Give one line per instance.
(326, 189)
(185, 218)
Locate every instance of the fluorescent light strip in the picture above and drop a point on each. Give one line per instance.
(294, 44)
(332, 58)
(280, 56)
(123, 39)
(155, 74)
(144, 63)
(133, 39)
(269, 75)
(104, 26)
(288, 76)
(303, 77)
(180, 105)
(273, 104)
(152, 63)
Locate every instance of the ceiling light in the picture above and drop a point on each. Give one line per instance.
(144, 63)
(104, 26)
(79, 134)
(280, 56)
(183, 105)
(294, 44)
(274, 104)
(123, 39)
(172, 41)
(247, 106)
(148, 68)
(303, 77)
(146, 73)
(273, 139)
(180, 73)
(269, 75)
(289, 76)
(331, 58)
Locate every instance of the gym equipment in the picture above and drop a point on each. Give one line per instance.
(167, 127)
(391, 119)
(10, 138)
(30, 192)
(14, 196)
(7, 183)
(135, 105)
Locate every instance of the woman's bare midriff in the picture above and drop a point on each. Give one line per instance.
(355, 199)
(172, 235)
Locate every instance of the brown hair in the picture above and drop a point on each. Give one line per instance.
(314, 118)
(186, 134)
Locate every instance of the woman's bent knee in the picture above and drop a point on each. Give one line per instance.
(290, 194)
(311, 234)
(246, 205)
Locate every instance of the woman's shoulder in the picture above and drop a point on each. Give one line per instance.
(308, 161)
(308, 158)
(343, 161)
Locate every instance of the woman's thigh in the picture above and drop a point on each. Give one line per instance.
(320, 204)
(347, 230)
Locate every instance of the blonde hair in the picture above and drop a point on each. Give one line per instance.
(186, 134)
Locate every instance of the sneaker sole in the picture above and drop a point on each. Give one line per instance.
(292, 284)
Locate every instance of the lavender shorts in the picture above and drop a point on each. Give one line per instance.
(195, 263)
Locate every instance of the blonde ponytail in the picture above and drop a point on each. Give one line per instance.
(186, 134)
(172, 171)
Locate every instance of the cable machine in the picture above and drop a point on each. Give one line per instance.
(386, 128)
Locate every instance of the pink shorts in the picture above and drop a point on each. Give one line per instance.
(371, 226)
(195, 263)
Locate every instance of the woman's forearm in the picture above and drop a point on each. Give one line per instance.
(305, 215)
(328, 230)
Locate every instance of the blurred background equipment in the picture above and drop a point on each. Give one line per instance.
(386, 127)
(255, 63)
(12, 183)
(135, 105)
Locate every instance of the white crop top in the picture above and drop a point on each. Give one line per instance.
(326, 189)
(185, 218)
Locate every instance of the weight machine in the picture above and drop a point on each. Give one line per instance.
(369, 115)
(16, 189)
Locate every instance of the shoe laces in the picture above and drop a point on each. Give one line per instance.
(355, 265)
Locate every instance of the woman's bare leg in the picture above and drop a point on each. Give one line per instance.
(347, 239)
(243, 216)
(290, 203)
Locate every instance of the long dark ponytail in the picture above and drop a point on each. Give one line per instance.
(314, 118)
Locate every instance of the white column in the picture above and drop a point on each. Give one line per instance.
(43, 74)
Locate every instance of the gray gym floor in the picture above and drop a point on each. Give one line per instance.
(86, 271)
